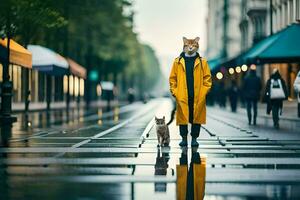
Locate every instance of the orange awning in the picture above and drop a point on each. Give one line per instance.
(77, 69)
(18, 54)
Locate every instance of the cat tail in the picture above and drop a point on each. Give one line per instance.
(172, 116)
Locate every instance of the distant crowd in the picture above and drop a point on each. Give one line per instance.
(250, 93)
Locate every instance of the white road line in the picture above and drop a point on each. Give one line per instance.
(110, 130)
(140, 161)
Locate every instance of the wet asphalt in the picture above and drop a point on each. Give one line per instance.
(112, 154)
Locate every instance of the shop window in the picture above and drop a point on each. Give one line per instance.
(298, 10)
(1, 72)
(15, 80)
(42, 86)
(65, 84)
(19, 83)
(81, 90)
(71, 85)
(10, 71)
(76, 88)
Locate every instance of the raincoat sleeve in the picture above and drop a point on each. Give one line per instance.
(173, 79)
(206, 77)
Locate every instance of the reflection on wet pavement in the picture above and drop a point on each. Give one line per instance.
(191, 180)
(117, 158)
(160, 168)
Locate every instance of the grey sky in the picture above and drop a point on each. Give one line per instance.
(162, 23)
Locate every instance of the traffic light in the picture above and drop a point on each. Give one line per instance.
(93, 75)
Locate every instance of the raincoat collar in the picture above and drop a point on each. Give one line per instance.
(197, 60)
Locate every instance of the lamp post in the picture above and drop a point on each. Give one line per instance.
(5, 118)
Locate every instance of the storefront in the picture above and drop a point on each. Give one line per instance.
(74, 82)
(280, 50)
(20, 61)
(51, 68)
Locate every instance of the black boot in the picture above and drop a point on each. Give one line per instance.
(194, 142)
(183, 142)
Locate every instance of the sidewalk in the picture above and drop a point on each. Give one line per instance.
(241, 160)
(40, 106)
(289, 111)
(288, 120)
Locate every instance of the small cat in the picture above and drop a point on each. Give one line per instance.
(162, 131)
(161, 169)
(190, 46)
(161, 164)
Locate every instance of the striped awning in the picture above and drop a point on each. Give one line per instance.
(18, 55)
(48, 61)
(76, 69)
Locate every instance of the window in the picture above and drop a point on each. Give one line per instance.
(297, 9)
(71, 85)
(81, 90)
(286, 14)
(290, 11)
(278, 13)
(42, 86)
(1, 71)
(76, 88)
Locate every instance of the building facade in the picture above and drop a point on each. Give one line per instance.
(248, 22)
(223, 28)
(37, 85)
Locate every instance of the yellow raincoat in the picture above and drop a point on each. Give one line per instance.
(178, 88)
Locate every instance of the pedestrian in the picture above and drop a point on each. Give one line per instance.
(275, 93)
(251, 92)
(130, 95)
(190, 81)
(297, 90)
(233, 93)
(222, 95)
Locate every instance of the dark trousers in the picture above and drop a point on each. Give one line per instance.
(183, 129)
(251, 103)
(195, 131)
(233, 104)
(275, 112)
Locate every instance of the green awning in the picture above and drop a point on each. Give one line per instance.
(282, 47)
(215, 64)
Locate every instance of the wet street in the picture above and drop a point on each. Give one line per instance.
(112, 154)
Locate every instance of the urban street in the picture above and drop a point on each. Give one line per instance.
(113, 155)
(150, 100)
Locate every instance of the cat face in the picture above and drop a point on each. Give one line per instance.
(190, 46)
(160, 121)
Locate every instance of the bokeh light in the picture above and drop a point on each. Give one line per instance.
(238, 69)
(219, 75)
(253, 67)
(244, 68)
(231, 70)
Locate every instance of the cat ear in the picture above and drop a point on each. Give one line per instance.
(164, 118)
(184, 39)
(197, 39)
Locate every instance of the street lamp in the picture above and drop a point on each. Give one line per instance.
(238, 69)
(253, 67)
(5, 117)
(231, 70)
(219, 75)
(244, 68)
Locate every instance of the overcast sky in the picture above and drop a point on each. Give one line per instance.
(163, 23)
